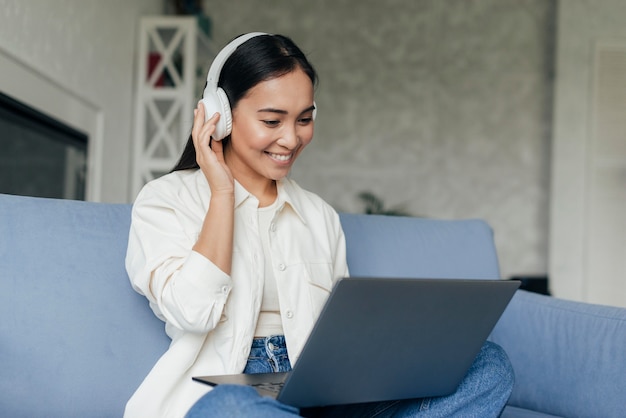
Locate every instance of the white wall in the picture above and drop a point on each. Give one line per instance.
(86, 47)
(588, 205)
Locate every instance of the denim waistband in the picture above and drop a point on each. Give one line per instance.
(277, 341)
(267, 355)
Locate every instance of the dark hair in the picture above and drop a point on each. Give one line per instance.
(258, 59)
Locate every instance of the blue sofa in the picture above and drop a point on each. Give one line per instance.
(76, 340)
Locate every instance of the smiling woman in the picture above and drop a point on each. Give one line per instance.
(266, 140)
(221, 245)
(238, 259)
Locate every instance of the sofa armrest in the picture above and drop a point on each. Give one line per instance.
(569, 357)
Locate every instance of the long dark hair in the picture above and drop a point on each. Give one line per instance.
(259, 59)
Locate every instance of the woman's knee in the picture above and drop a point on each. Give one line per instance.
(221, 398)
(495, 368)
(238, 401)
(499, 361)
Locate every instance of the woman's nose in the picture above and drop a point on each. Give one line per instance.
(289, 138)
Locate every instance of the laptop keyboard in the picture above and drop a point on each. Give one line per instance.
(270, 386)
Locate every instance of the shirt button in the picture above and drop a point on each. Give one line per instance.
(273, 227)
(224, 289)
(282, 267)
(289, 314)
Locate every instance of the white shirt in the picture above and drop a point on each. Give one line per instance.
(211, 316)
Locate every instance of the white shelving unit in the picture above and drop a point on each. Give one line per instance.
(172, 60)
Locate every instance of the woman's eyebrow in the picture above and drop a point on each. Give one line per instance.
(309, 109)
(272, 110)
(284, 112)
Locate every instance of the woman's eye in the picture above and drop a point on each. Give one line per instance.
(271, 123)
(305, 121)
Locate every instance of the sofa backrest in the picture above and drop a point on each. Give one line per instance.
(395, 246)
(76, 340)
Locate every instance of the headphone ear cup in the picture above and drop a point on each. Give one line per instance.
(217, 101)
(225, 124)
(214, 99)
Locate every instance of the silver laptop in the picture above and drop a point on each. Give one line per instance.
(383, 339)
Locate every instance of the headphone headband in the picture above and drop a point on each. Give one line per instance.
(218, 63)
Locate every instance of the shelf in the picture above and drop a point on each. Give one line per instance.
(172, 60)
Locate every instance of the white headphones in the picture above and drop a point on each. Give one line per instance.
(214, 98)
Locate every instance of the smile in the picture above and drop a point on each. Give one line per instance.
(280, 157)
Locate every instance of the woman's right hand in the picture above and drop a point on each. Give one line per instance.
(210, 154)
(215, 240)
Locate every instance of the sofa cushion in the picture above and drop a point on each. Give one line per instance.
(515, 412)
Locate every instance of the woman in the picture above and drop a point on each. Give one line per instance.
(234, 256)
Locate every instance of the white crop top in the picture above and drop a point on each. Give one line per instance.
(270, 322)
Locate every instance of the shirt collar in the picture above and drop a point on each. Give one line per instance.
(241, 194)
(287, 195)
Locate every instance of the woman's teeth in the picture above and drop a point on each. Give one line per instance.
(280, 157)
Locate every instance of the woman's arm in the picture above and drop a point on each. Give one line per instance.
(215, 241)
(186, 277)
(184, 288)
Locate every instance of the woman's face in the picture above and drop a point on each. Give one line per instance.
(272, 124)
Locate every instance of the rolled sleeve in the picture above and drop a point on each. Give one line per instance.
(195, 296)
(185, 289)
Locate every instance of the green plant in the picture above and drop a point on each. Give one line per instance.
(375, 206)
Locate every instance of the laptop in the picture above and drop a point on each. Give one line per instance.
(380, 339)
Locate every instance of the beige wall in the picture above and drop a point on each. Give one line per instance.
(441, 106)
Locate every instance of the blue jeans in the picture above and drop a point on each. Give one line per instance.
(483, 392)
(268, 355)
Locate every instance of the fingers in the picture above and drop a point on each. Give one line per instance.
(217, 147)
(201, 131)
(209, 157)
